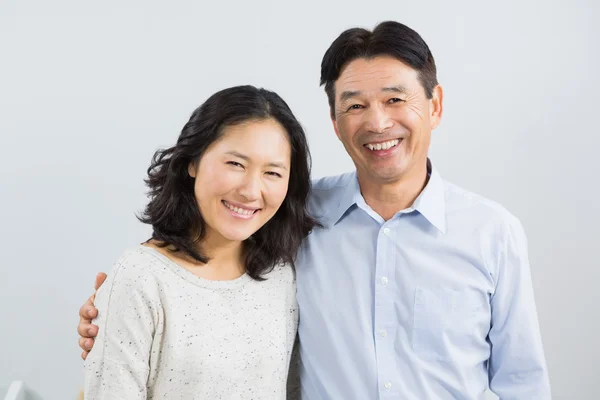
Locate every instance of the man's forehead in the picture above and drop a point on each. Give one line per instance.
(375, 74)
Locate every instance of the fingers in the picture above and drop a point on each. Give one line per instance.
(100, 278)
(87, 311)
(87, 330)
(86, 344)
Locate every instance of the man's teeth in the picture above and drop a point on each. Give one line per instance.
(384, 145)
(238, 210)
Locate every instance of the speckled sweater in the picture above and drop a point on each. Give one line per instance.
(168, 334)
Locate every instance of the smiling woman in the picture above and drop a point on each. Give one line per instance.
(242, 179)
(227, 207)
(242, 146)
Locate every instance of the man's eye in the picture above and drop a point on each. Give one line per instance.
(355, 107)
(395, 100)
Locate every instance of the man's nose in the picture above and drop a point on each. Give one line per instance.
(378, 120)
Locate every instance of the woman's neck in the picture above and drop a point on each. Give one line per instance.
(226, 260)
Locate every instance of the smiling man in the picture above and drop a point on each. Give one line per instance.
(413, 288)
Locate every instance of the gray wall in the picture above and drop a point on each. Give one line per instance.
(88, 91)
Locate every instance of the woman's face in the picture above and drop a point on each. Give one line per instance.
(242, 179)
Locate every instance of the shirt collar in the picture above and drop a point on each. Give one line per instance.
(431, 202)
(347, 199)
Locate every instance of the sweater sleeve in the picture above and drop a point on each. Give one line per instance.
(128, 306)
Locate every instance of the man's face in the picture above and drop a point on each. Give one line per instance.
(384, 118)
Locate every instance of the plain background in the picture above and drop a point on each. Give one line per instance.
(89, 90)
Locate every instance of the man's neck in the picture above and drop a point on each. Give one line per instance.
(388, 198)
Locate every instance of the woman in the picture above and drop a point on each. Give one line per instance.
(206, 308)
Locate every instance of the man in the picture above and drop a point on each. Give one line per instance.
(413, 288)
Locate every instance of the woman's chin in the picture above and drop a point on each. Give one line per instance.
(237, 236)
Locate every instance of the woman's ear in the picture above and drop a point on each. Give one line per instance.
(192, 169)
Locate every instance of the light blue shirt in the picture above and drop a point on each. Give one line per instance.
(435, 303)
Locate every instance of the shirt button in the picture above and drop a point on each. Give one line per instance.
(382, 333)
(386, 231)
(388, 385)
(384, 281)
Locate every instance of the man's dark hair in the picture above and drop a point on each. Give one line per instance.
(173, 210)
(387, 39)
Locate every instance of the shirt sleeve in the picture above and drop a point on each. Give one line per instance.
(128, 315)
(517, 366)
(293, 378)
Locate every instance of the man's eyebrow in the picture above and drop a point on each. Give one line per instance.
(348, 94)
(395, 89)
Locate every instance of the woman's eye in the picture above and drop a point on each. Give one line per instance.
(235, 164)
(274, 174)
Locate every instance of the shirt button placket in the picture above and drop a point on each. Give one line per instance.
(384, 310)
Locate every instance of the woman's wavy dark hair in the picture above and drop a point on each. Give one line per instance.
(173, 211)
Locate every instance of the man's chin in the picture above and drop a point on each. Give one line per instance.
(389, 173)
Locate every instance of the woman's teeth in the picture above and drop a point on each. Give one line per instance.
(238, 210)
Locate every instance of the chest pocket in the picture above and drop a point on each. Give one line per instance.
(448, 322)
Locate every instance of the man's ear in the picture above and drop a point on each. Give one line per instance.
(335, 125)
(437, 106)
